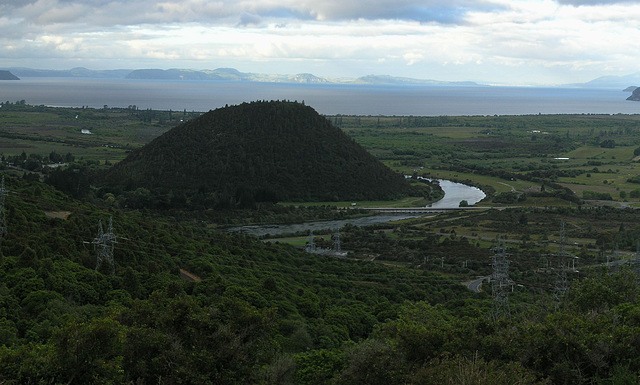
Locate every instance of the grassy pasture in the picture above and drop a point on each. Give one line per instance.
(509, 153)
(594, 152)
(108, 133)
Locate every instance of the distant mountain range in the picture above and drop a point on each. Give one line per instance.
(78, 72)
(621, 82)
(232, 74)
(225, 74)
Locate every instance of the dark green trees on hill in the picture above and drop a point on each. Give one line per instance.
(253, 152)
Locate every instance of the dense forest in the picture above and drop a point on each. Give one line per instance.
(247, 306)
(256, 152)
(265, 313)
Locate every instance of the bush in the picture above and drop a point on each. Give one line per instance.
(506, 197)
(593, 195)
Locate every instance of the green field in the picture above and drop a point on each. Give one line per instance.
(507, 153)
(108, 133)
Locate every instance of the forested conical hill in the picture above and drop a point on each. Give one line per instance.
(259, 151)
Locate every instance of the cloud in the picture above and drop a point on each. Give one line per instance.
(16, 3)
(51, 12)
(249, 19)
(104, 12)
(422, 11)
(578, 3)
(417, 37)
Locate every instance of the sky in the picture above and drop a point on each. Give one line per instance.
(517, 42)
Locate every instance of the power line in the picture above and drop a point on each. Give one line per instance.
(273, 266)
(106, 241)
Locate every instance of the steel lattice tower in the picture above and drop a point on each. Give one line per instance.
(636, 261)
(311, 246)
(3, 218)
(501, 284)
(566, 262)
(103, 245)
(615, 257)
(336, 243)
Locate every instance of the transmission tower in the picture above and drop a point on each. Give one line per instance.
(566, 263)
(501, 284)
(613, 261)
(311, 246)
(336, 243)
(635, 263)
(103, 245)
(3, 218)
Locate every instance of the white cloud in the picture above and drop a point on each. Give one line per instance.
(594, 2)
(103, 12)
(489, 39)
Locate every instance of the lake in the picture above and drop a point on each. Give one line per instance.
(326, 99)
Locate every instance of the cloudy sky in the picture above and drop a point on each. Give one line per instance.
(489, 41)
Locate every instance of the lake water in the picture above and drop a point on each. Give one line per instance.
(453, 194)
(326, 99)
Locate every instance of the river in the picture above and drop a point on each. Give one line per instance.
(453, 194)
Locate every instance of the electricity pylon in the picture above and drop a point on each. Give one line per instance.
(635, 263)
(311, 246)
(501, 284)
(566, 263)
(103, 245)
(336, 243)
(3, 218)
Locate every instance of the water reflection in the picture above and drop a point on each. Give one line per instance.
(453, 194)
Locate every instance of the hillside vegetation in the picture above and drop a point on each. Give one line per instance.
(249, 304)
(268, 313)
(262, 151)
(184, 303)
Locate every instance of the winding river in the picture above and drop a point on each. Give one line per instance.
(453, 193)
